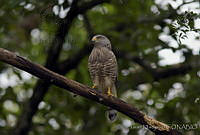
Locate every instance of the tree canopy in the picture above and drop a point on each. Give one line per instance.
(156, 44)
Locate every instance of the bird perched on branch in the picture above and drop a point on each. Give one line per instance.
(103, 69)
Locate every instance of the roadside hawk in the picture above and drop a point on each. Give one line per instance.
(103, 69)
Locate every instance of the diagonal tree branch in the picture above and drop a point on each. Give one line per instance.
(88, 26)
(173, 70)
(68, 64)
(73, 61)
(25, 121)
(162, 73)
(59, 39)
(43, 73)
(41, 87)
(157, 73)
(91, 4)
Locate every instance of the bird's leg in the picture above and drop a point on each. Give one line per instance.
(94, 86)
(109, 93)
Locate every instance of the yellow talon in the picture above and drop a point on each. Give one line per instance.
(94, 86)
(109, 93)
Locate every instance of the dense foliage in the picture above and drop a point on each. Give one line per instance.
(141, 30)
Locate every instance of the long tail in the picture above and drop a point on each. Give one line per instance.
(111, 114)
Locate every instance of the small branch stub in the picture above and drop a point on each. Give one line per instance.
(156, 124)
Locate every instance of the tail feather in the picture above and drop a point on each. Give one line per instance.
(111, 115)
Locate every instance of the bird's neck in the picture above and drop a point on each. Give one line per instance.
(97, 45)
(101, 46)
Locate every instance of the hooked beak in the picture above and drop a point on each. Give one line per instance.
(94, 39)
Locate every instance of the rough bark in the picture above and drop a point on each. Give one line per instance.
(43, 73)
(41, 88)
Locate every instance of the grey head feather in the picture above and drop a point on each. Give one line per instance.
(101, 41)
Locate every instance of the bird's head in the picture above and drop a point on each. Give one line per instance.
(101, 41)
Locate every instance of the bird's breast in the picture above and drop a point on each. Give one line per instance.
(99, 54)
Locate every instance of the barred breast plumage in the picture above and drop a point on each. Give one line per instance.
(102, 63)
(103, 70)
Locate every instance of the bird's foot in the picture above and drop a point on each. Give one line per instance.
(94, 86)
(109, 93)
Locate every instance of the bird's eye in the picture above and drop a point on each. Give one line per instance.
(98, 37)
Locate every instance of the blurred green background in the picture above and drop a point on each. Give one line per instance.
(157, 46)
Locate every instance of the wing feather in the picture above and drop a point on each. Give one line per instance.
(102, 63)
